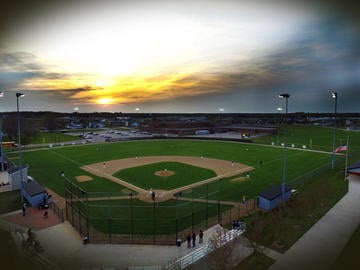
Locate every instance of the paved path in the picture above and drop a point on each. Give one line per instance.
(319, 247)
(63, 245)
(64, 248)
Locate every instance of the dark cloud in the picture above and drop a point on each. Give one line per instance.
(18, 61)
(325, 55)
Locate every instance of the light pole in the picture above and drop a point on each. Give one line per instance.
(1, 136)
(286, 96)
(19, 95)
(279, 109)
(334, 95)
(221, 110)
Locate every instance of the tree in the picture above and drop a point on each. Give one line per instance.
(222, 257)
(9, 126)
(255, 232)
(50, 123)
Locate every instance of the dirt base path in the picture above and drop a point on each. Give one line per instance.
(222, 168)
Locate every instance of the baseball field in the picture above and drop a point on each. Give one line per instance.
(129, 172)
(97, 162)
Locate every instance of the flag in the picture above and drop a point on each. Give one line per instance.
(341, 148)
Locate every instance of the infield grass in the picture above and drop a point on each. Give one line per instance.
(184, 174)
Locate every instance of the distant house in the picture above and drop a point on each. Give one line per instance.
(75, 125)
(34, 193)
(271, 198)
(202, 132)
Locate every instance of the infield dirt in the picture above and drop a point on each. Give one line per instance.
(222, 168)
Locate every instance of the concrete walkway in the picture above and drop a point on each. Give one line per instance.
(319, 247)
(64, 249)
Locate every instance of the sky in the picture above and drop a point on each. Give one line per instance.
(179, 56)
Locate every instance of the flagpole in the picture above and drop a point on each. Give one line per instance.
(346, 157)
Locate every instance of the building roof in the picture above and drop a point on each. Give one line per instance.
(33, 188)
(354, 168)
(273, 192)
(355, 165)
(15, 169)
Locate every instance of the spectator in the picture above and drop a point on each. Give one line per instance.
(188, 239)
(23, 209)
(201, 235)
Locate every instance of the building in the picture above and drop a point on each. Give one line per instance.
(354, 168)
(271, 198)
(14, 177)
(34, 193)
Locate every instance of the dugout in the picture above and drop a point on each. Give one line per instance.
(34, 193)
(272, 197)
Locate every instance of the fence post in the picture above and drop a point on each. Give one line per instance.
(131, 217)
(87, 216)
(109, 224)
(207, 205)
(154, 226)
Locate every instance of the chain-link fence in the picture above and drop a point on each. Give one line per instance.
(305, 178)
(110, 218)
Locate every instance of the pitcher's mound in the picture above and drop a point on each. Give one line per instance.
(164, 173)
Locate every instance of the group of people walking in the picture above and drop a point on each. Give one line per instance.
(191, 239)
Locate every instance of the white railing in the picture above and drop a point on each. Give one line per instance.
(206, 249)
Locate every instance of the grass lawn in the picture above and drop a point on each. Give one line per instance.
(184, 174)
(47, 137)
(10, 201)
(348, 258)
(281, 228)
(255, 261)
(52, 137)
(144, 214)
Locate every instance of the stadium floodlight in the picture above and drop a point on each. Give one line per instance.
(19, 95)
(334, 95)
(286, 96)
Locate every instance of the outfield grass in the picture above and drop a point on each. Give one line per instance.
(314, 137)
(184, 174)
(46, 165)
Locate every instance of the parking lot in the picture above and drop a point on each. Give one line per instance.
(107, 135)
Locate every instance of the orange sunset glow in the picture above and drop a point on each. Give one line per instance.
(177, 55)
